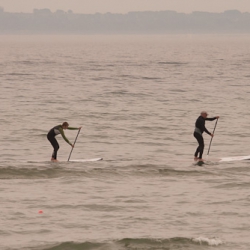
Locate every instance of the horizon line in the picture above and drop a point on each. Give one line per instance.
(143, 11)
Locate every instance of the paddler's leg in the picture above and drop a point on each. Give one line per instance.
(55, 145)
(200, 148)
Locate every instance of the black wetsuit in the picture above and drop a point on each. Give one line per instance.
(199, 129)
(51, 137)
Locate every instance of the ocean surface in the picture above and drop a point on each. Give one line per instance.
(137, 99)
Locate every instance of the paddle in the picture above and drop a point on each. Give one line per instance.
(212, 137)
(74, 143)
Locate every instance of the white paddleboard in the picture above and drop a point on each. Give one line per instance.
(235, 158)
(86, 160)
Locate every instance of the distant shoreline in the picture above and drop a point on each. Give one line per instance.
(149, 22)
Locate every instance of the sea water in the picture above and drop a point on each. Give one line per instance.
(137, 99)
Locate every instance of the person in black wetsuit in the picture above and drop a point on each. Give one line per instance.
(199, 129)
(53, 133)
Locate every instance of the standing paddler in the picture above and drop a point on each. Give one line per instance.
(198, 131)
(56, 131)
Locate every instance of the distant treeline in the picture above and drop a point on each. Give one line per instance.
(149, 22)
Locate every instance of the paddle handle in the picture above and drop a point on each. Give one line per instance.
(74, 143)
(212, 137)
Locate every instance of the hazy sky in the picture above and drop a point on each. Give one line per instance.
(124, 6)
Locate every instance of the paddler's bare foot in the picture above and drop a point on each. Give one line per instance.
(54, 160)
(200, 160)
(196, 158)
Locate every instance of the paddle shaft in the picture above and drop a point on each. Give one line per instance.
(212, 137)
(74, 143)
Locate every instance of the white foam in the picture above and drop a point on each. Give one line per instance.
(210, 242)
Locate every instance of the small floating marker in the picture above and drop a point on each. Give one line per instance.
(40, 211)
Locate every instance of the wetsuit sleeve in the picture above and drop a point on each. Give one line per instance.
(200, 123)
(207, 131)
(63, 135)
(210, 119)
(70, 128)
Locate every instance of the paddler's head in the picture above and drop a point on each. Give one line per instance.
(204, 114)
(65, 125)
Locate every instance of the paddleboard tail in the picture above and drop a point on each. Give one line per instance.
(86, 160)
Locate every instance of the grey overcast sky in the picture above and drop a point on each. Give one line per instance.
(124, 6)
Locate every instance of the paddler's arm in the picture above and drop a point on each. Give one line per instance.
(207, 131)
(201, 125)
(64, 137)
(71, 128)
(212, 119)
